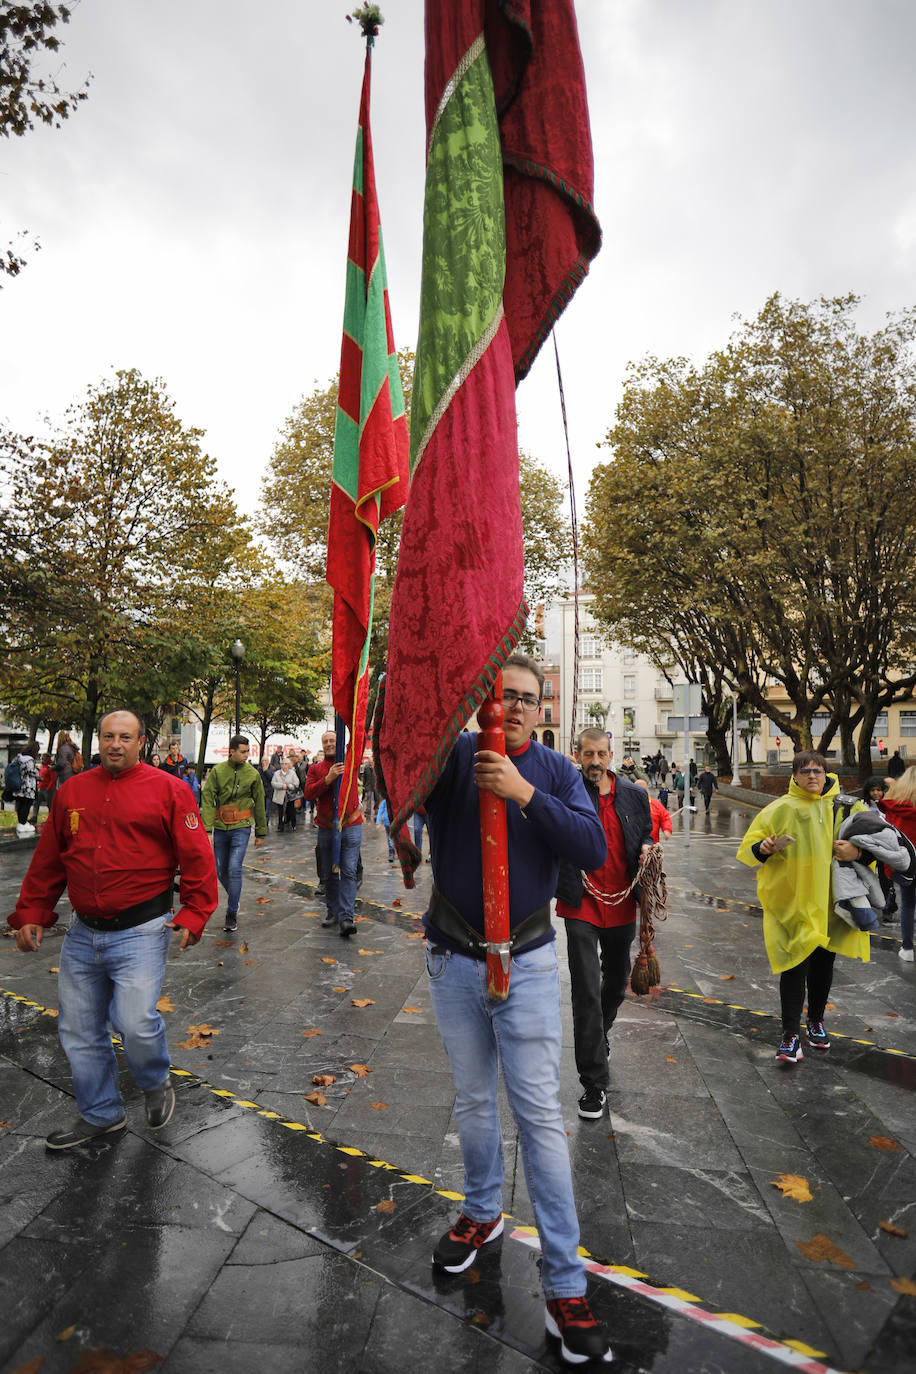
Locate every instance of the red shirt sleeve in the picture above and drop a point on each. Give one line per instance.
(45, 878)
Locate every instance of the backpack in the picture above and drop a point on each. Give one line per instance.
(12, 777)
(77, 764)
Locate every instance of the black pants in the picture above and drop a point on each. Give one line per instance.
(23, 807)
(814, 975)
(597, 991)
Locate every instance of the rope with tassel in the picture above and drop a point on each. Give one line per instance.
(653, 906)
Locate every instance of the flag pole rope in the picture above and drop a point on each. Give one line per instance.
(574, 526)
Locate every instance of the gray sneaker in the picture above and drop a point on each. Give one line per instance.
(80, 1132)
(160, 1104)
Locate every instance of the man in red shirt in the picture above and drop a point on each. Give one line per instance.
(598, 919)
(114, 838)
(319, 787)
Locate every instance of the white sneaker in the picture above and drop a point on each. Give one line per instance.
(906, 955)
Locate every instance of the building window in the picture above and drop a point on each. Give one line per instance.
(591, 679)
(629, 656)
(629, 684)
(587, 647)
(908, 722)
(548, 687)
(629, 719)
(819, 722)
(548, 715)
(881, 723)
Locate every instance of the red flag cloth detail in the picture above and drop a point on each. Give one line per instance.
(379, 486)
(457, 608)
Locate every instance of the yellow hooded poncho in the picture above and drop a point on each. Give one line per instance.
(794, 886)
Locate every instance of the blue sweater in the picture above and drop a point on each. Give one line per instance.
(561, 823)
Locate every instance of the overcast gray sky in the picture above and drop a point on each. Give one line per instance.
(193, 212)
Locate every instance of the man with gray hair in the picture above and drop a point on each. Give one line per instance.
(600, 912)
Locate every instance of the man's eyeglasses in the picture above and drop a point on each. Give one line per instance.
(811, 772)
(525, 699)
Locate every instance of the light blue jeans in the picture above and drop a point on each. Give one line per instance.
(521, 1036)
(229, 852)
(110, 981)
(340, 889)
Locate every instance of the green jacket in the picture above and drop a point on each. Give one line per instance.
(240, 784)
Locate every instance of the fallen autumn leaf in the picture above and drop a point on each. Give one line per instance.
(821, 1247)
(793, 1186)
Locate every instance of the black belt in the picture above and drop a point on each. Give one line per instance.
(449, 920)
(131, 916)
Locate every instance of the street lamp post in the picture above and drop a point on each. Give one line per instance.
(238, 653)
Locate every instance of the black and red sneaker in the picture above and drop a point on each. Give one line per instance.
(458, 1247)
(581, 1338)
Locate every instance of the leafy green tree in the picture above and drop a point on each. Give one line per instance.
(27, 98)
(758, 517)
(107, 529)
(287, 659)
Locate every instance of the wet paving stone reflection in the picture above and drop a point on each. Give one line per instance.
(264, 1229)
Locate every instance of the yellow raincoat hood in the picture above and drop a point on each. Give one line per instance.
(794, 887)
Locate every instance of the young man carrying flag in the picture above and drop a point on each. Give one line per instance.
(508, 235)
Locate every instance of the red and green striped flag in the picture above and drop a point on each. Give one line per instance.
(370, 473)
(509, 231)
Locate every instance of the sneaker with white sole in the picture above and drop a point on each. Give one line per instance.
(458, 1248)
(905, 954)
(582, 1339)
(817, 1035)
(592, 1103)
(790, 1050)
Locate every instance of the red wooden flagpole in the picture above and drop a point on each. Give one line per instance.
(494, 849)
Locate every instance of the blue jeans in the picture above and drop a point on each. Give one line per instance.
(906, 896)
(340, 889)
(418, 824)
(522, 1036)
(228, 852)
(110, 982)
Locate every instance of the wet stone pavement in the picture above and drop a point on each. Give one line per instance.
(264, 1230)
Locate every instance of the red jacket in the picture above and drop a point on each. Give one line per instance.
(113, 840)
(661, 819)
(318, 790)
(901, 814)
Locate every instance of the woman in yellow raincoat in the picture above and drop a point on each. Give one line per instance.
(802, 933)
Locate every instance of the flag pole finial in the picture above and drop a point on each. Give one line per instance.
(369, 18)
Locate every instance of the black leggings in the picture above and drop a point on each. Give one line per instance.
(23, 807)
(814, 974)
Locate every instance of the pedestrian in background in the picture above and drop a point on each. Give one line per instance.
(792, 843)
(233, 798)
(64, 757)
(706, 785)
(22, 775)
(600, 911)
(284, 787)
(661, 816)
(47, 781)
(899, 806)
